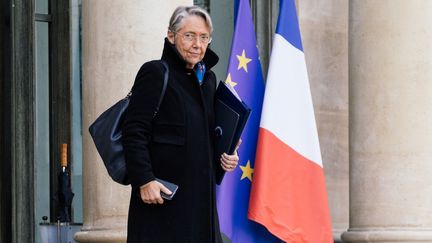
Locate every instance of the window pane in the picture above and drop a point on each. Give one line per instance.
(76, 113)
(203, 4)
(41, 6)
(42, 145)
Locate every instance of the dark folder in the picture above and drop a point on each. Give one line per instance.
(231, 115)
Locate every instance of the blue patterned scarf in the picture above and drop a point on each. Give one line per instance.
(200, 71)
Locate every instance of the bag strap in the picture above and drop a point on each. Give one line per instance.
(164, 87)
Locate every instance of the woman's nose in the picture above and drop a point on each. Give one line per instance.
(197, 42)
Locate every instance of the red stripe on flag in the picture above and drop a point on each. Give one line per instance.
(288, 193)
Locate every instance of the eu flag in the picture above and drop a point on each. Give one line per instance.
(245, 76)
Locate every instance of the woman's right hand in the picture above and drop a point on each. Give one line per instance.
(151, 192)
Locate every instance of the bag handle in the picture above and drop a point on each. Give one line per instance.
(164, 87)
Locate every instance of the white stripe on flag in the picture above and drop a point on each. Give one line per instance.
(287, 97)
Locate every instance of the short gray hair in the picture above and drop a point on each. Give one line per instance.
(182, 12)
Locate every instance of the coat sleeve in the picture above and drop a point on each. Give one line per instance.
(137, 124)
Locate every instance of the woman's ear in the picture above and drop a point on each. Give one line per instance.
(170, 36)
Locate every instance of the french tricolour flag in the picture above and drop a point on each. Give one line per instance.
(288, 192)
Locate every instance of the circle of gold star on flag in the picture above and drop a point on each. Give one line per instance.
(243, 61)
(247, 171)
(229, 81)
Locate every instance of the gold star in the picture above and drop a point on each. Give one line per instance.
(229, 81)
(243, 61)
(247, 171)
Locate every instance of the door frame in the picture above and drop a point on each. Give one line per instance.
(17, 119)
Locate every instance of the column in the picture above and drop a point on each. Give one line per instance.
(117, 38)
(390, 72)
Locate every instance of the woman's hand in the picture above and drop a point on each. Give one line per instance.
(230, 162)
(151, 192)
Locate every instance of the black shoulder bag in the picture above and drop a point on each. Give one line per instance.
(107, 135)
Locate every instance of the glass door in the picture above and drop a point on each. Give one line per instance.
(57, 100)
(42, 114)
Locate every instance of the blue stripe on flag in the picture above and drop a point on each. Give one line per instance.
(287, 25)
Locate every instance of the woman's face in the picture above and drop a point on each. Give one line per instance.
(189, 40)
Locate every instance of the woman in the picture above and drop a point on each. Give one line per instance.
(177, 145)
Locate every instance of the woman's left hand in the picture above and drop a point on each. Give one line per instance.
(230, 162)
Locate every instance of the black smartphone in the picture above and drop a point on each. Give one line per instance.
(171, 186)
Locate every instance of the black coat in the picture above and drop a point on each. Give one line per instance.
(176, 146)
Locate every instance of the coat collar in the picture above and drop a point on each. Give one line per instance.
(174, 59)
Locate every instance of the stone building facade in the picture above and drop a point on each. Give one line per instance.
(369, 65)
